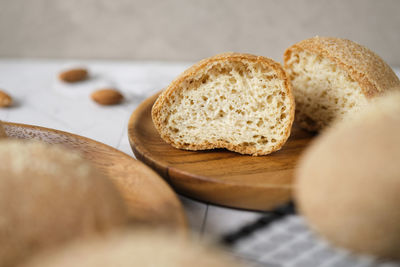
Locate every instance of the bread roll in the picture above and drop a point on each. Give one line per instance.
(235, 101)
(348, 182)
(136, 248)
(50, 195)
(332, 77)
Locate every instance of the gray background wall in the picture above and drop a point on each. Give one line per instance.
(190, 30)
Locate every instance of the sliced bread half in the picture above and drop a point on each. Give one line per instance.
(240, 102)
(332, 77)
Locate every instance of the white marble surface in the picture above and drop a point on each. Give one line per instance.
(42, 100)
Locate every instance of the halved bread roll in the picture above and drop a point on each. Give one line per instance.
(332, 77)
(240, 102)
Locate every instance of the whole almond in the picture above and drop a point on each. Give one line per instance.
(73, 75)
(107, 96)
(5, 99)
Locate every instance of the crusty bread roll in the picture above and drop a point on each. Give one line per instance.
(50, 195)
(240, 102)
(348, 181)
(332, 77)
(135, 248)
(2, 132)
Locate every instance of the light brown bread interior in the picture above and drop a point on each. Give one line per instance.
(48, 196)
(332, 77)
(137, 248)
(347, 184)
(235, 101)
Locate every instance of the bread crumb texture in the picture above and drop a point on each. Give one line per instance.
(236, 101)
(332, 77)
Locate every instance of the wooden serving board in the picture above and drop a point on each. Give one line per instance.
(218, 176)
(148, 198)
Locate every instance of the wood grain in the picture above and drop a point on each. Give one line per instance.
(148, 198)
(218, 176)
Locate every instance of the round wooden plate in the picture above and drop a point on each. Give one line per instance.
(218, 176)
(149, 199)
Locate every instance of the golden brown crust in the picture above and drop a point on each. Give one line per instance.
(197, 68)
(364, 66)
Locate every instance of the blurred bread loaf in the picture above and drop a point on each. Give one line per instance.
(50, 195)
(240, 102)
(348, 181)
(332, 77)
(136, 248)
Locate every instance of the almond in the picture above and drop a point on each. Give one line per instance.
(5, 99)
(107, 96)
(73, 75)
